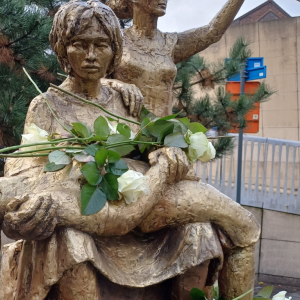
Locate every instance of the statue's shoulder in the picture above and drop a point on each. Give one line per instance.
(38, 111)
(39, 101)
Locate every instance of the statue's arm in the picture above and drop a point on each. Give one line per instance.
(195, 40)
(36, 215)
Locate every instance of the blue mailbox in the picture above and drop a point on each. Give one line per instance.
(255, 69)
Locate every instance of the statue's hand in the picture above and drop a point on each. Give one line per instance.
(131, 94)
(30, 218)
(132, 97)
(178, 163)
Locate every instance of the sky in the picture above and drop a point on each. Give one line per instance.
(186, 14)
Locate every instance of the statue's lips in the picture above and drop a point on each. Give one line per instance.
(91, 68)
(162, 5)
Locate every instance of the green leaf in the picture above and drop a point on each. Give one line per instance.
(83, 157)
(92, 200)
(186, 121)
(111, 119)
(82, 130)
(101, 156)
(145, 113)
(165, 132)
(179, 126)
(91, 172)
(113, 157)
(175, 140)
(143, 147)
(197, 294)
(197, 127)
(124, 130)
(101, 127)
(109, 185)
(59, 158)
(52, 167)
(92, 149)
(170, 117)
(122, 150)
(145, 122)
(118, 168)
(266, 292)
(160, 129)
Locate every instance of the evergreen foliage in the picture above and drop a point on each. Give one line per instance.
(24, 42)
(219, 111)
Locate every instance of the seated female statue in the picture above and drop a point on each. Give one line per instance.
(123, 251)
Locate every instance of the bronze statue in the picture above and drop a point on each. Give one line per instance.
(149, 56)
(156, 248)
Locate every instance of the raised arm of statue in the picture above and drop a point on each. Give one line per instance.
(195, 40)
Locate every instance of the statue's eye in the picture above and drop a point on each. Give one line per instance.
(78, 45)
(100, 45)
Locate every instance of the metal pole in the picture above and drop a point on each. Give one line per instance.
(240, 145)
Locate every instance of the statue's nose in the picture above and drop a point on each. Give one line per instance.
(91, 52)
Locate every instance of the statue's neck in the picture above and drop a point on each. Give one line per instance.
(90, 89)
(144, 24)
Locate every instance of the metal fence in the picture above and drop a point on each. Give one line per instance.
(270, 178)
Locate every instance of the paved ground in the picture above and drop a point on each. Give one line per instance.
(292, 291)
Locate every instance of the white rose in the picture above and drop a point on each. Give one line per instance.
(34, 135)
(132, 185)
(198, 145)
(281, 296)
(113, 130)
(209, 154)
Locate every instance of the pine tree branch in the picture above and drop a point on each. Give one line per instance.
(24, 36)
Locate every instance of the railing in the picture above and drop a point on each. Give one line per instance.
(270, 178)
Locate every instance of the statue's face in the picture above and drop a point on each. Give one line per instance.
(154, 7)
(90, 52)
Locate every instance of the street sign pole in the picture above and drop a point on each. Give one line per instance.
(240, 145)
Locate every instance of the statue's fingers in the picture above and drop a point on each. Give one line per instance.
(47, 230)
(23, 215)
(139, 102)
(183, 165)
(38, 219)
(125, 96)
(49, 221)
(170, 152)
(10, 230)
(132, 101)
(153, 156)
(16, 203)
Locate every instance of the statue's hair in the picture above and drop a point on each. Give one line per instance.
(75, 17)
(122, 8)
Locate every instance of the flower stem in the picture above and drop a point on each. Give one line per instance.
(26, 155)
(47, 101)
(130, 143)
(44, 143)
(62, 75)
(94, 104)
(49, 149)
